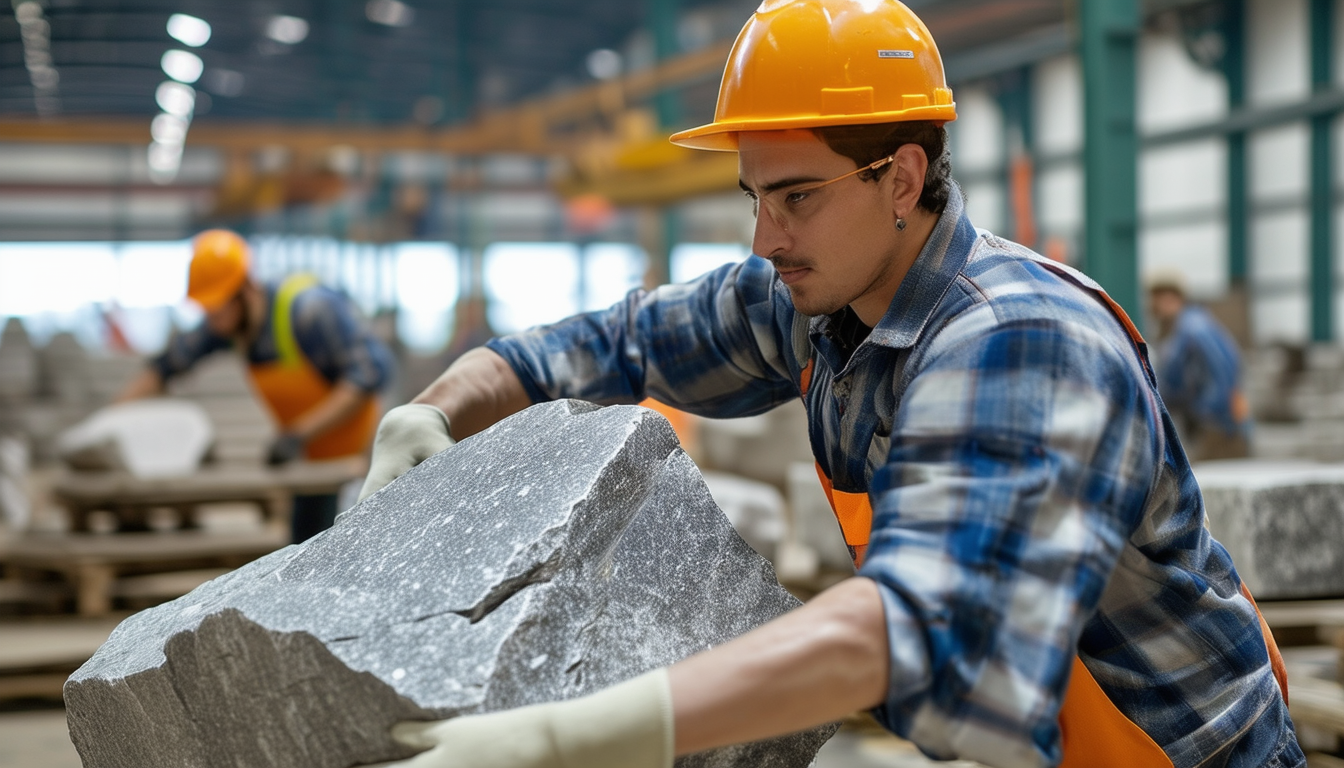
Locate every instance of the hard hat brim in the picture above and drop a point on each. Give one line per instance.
(722, 136)
(216, 296)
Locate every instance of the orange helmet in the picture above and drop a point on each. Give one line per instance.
(219, 264)
(817, 63)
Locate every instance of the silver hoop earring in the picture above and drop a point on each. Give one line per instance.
(900, 225)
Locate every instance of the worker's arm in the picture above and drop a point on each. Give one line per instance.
(148, 383)
(478, 390)
(721, 346)
(808, 667)
(811, 666)
(332, 338)
(182, 352)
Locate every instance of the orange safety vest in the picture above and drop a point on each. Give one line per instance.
(291, 385)
(1093, 732)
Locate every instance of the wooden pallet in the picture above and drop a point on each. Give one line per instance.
(270, 488)
(37, 656)
(100, 568)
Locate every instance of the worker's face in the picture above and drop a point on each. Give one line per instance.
(833, 245)
(227, 321)
(1166, 305)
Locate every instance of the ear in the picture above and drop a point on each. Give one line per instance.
(907, 174)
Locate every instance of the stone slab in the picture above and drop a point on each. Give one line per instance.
(564, 550)
(148, 438)
(1282, 522)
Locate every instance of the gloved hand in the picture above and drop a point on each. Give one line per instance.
(284, 449)
(626, 726)
(407, 435)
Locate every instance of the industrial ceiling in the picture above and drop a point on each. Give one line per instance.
(147, 119)
(380, 62)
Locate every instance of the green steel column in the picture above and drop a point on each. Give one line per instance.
(663, 26)
(1238, 209)
(1322, 280)
(1110, 30)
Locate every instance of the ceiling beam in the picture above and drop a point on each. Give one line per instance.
(523, 128)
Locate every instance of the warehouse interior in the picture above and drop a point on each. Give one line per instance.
(462, 170)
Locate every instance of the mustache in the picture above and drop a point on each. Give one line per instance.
(781, 264)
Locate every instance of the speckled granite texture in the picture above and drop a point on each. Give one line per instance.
(564, 550)
(1282, 522)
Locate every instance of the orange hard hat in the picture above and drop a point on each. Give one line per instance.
(219, 264)
(818, 63)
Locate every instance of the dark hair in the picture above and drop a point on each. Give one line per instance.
(865, 144)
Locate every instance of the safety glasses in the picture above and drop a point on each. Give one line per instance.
(787, 206)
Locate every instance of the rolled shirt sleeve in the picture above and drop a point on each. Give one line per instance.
(185, 349)
(719, 346)
(1019, 465)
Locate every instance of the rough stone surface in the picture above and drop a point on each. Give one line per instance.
(564, 550)
(1281, 522)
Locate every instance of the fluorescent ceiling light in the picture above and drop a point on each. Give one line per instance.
(604, 64)
(28, 12)
(175, 98)
(182, 66)
(289, 30)
(188, 30)
(168, 129)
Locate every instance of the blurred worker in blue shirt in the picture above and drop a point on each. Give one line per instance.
(311, 360)
(1199, 372)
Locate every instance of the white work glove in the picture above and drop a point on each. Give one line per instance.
(407, 435)
(626, 726)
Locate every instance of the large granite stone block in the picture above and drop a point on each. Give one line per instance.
(1282, 522)
(564, 550)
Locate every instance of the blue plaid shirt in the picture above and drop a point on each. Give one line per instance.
(1198, 368)
(1030, 499)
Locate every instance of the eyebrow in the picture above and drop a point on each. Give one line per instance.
(781, 184)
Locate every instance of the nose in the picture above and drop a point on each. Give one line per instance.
(769, 236)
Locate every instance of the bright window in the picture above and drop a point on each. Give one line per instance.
(58, 287)
(691, 260)
(611, 270)
(427, 289)
(152, 274)
(530, 284)
(55, 277)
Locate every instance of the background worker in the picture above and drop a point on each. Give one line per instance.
(311, 360)
(1035, 584)
(1199, 374)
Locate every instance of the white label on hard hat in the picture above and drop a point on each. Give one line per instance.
(881, 54)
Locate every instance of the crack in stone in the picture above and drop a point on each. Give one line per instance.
(499, 594)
